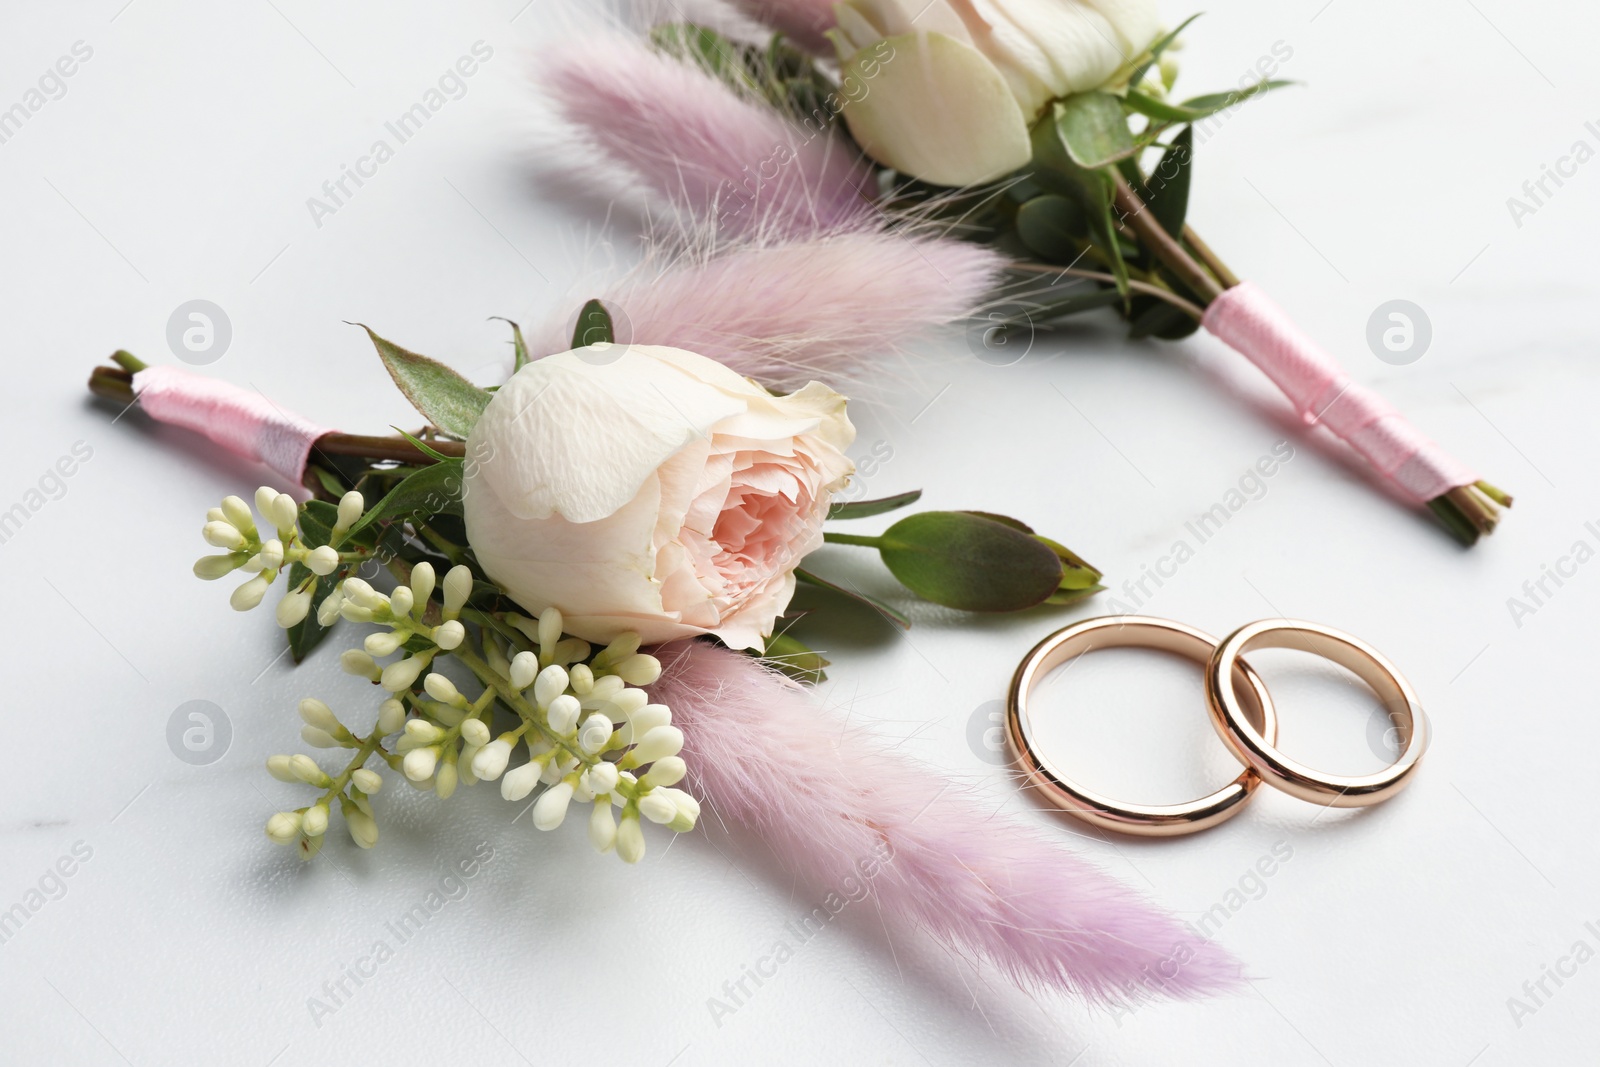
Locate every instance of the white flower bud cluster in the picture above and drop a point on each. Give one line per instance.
(307, 827)
(232, 528)
(403, 613)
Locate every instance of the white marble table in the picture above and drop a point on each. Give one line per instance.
(176, 163)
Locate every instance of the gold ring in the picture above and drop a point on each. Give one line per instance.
(1152, 820)
(1257, 751)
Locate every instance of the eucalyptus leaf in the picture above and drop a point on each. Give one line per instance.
(865, 509)
(1053, 227)
(1166, 190)
(1055, 169)
(444, 397)
(888, 611)
(970, 562)
(1211, 103)
(1094, 129)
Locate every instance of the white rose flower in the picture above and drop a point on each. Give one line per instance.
(945, 90)
(653, 490)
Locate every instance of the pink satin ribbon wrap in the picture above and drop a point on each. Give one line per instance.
(245, 423)
(1248, 321)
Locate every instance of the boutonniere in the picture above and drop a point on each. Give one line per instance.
(1048, 135)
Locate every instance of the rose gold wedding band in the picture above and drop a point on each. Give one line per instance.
(1257, 749)
(1150, 820)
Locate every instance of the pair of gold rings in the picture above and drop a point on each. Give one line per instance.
(1241, 710)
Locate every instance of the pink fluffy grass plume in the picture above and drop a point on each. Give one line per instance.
(696, 142)
(768, 759)
(803, 20)
(782, 313)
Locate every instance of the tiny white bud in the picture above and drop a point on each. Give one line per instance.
(551, 807)
(605, 688)
(563, 713)
(449, 634)
(580, 678)
(278, 767)
(305, 768)
(328, 611)
(294, 607)
(363, 827)
(441, 688)
(222, 535)
(314, 712)
(551, 683)
(351, 505)
(601, 778)
(524, 669)
(490, 762)
(272, 555)
(422, 582)
(423, 731)
(356, 662)
(401, 601)
(285, 512)
(688, 811)
(216, 515)
(361, 592)
(648, 718)
(519, 781)
(595, 733)
(383, 644)
(237, 513)
(625, 705)
(210, 568)
(317, 738)
(457, 588)
(315, 822)
(264, 498)
(391, 717)
(550, 629)
(475, 733)
(419, 763)
(621, 647)
(367, 781)
(350, 611)
(322, 560)
(658, 808)
(659, 742)
(630, 838)
(444, 782)
(668, 770)
(249, 594)
(639, 669)
(402, 674)
(284, 827)
(602, 828)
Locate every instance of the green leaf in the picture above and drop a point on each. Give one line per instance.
(594, 326)
(1053, 227)
(424, 447)
(865, 509)
(316, 527)
(970, 561)
(794, 659)
(1055, 169)
(1076, 572)
(431, 490)
(1153, 317)
(444, 397)
(518, 344)
(1083, 299)
(888, 611)
(1094, 129)
(1166, 190)
(1211, 103)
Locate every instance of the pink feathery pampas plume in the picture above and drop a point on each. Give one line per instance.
(838, 811)
(781, 312)
(803, 20)
(699, 144)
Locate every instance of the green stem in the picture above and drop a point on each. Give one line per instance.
(372, 744)
(514, 700)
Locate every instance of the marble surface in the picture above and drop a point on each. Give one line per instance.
(157, 925)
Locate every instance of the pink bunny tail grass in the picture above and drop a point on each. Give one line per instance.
(805, 21)
(781, 313)
(696, 142)
(839, 809)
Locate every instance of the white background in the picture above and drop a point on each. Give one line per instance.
(177, 166)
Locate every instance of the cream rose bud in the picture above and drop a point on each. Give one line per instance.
(652, 490)
(945, 90)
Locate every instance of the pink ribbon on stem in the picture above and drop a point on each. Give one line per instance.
(1250, 323)
(244, 423)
